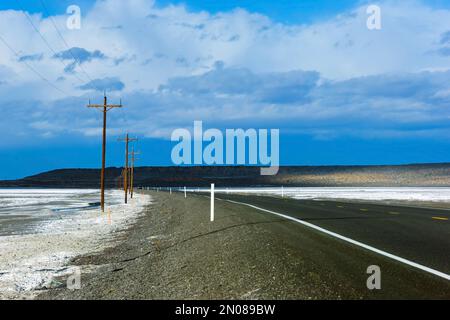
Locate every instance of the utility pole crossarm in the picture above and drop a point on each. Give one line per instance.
(108, 106)
(127, 139)
(112, 106)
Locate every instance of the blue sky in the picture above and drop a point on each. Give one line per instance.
(287, 11)
(338, 92)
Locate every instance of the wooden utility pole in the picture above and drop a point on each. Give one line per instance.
(123, 179)
(129, 180)
(106, 107)
(133, 159)
(119, 181)
(127, 141)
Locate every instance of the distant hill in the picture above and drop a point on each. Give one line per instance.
(432, 175)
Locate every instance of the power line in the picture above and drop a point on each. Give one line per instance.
(64, 40)
(44, 39)
(31, 68)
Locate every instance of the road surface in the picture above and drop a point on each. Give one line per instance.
(417, 234)
(251, 252)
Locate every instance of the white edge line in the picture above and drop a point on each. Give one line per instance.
(357, 243)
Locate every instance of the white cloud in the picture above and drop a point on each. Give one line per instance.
(319, 76)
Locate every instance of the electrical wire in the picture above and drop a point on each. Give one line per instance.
(31, 67)
(44, 39)
(64, 40)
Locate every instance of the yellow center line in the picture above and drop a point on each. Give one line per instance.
(440, 218)
(340, 206)
(365, 210)
(393, 212)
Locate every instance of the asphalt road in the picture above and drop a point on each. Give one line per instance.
(417, 234)
(175, 252)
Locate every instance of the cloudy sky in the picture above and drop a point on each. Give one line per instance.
(339, 92)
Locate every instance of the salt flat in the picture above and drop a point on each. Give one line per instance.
(32, 260)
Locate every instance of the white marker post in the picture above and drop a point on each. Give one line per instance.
(185, 195)
(212, 202)
(170, 190)
(282, 191)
